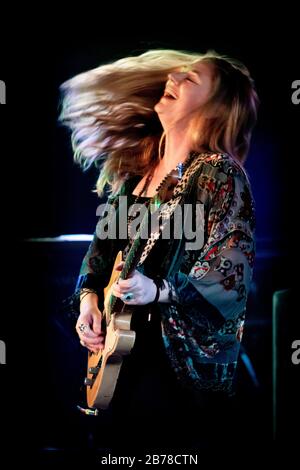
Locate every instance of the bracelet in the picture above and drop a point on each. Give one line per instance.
(84, 291)
(159, 282)
(171, 294)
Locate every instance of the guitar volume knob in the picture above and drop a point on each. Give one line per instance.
(88, 382)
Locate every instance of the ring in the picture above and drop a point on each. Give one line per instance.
(83, 327)
(127, 296)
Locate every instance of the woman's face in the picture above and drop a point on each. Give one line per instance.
(185, 92)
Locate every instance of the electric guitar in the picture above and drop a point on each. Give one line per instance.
(104, 367)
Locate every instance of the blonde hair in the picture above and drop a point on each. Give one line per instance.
(110, 111)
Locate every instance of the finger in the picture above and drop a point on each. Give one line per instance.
(97, 324)
(127, 284)
(121, 294)
(95, 347)
(119, 266)
(119, 291)
(88, 333)
(116, 292)
(93, 341)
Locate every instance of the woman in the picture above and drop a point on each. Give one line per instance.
(160, 118)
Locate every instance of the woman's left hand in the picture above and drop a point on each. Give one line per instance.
(141, 287)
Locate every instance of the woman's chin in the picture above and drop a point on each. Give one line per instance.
(161, 107)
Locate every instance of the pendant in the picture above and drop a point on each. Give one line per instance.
(179, 168)
(157, 201)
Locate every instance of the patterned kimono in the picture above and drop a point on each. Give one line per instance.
(202, 326)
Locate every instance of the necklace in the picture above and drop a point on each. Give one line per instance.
(162, 193)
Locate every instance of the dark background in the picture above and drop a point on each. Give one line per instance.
(45, 195)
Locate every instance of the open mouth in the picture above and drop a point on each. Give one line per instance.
(169, 94)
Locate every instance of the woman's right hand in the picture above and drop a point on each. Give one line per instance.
(88, 325)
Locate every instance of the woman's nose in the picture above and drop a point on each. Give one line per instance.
(176, 77)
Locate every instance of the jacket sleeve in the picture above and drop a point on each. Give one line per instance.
(96, 267)
(217, 285)
(98, 261)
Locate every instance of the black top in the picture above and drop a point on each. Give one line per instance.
(147, 382)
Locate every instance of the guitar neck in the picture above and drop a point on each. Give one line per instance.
(163, 193)
(132, 259)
